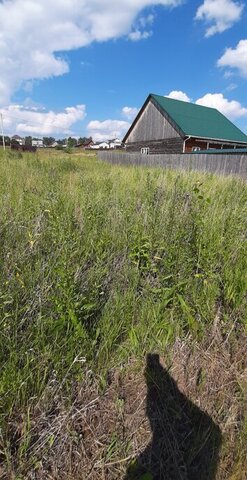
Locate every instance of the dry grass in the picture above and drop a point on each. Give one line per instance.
(102, 432)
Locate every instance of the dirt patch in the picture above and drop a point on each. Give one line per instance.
(172, 422)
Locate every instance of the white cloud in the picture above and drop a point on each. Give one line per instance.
(235, 58)
(130, 112)
(178, 95)
(139, 32)
(231, 87)
(107, 129)
(30, 120)
(219, 14)
(33, 32)
(232, 109)
(137, 35)
(148, 20)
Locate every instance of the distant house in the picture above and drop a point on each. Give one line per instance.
(38, 143)
(165, 125)
(115, 143)
(87, 144)
(100, 146)
(17, 139)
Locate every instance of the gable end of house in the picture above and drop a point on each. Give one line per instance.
(154, 131)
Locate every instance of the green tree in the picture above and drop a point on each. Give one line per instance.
(6, 140)
(71, 142)
(28, 140)
(48, 141)
(84, 140)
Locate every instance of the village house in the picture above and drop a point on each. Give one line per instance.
(109, 144)
(100, 146)
(37, 142)
(17, 139)
(86, 144)
(165, 125)
(115, 143)
(53, 144)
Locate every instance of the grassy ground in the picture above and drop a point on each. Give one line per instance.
(101, 265)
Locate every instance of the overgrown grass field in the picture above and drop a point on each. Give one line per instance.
(100, 265)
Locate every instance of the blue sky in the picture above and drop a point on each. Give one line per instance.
(84, 67)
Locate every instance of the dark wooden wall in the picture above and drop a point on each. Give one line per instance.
(169, 145)
(194, 142)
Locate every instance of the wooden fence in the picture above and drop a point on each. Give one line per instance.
(224, 164)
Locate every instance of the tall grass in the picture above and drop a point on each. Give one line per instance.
(101, 263)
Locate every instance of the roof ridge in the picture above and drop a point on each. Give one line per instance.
(184, 101)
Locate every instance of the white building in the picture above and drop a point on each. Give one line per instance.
(100, 145)
(115, 143)
(37, 143)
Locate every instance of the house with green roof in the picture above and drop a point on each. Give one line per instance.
(165, 125)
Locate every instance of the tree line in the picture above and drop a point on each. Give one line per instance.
(48, 141)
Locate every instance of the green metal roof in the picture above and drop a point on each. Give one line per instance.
(199, 121)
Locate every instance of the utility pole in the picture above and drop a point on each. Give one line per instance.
(1, 115)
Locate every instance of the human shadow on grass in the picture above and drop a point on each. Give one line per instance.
(186, 441)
